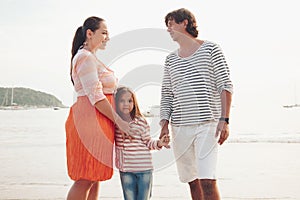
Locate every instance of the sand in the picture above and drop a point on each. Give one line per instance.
(246, 171)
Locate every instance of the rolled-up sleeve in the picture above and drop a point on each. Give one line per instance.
(88, 76)
(221, 70)
(166, 94)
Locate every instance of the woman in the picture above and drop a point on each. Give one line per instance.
(90, 124)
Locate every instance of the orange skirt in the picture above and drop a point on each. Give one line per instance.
(89, 142)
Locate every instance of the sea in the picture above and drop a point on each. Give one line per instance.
(33, 161)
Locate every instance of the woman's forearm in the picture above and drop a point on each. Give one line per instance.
(104, 107)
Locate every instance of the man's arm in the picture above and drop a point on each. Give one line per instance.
(164, 128)
(223, 128)
(166, 101)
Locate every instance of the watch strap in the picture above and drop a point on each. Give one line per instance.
(225, 119)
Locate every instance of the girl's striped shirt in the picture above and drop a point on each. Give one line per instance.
(135, 155)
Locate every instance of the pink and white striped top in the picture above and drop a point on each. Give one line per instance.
(135, 155)
(91, 77)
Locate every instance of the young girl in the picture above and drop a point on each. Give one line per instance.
(133, 157)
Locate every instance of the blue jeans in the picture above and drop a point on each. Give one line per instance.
(136, 185)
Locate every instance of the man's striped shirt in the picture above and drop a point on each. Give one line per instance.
(191, 86)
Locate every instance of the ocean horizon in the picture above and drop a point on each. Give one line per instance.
(13, 122)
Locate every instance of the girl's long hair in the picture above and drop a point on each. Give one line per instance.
(92, 23)
(136, 110)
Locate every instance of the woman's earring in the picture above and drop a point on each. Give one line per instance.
(85, 43)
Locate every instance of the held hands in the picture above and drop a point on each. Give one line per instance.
(164, 141)
(223, 131)
(165, 132)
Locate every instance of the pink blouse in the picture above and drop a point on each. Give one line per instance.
(91, 78)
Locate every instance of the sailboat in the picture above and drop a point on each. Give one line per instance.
(9, 106)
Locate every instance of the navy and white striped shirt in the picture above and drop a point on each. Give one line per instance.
(191, 86)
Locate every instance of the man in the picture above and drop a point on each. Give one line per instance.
(196, 96)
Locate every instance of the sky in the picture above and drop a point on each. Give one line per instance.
(260, 40)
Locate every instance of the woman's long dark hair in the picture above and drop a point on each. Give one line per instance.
(92, 23)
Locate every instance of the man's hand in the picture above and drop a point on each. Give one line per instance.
(223, 131)
(164, 130)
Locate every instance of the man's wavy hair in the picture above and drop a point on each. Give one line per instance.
(179, 16)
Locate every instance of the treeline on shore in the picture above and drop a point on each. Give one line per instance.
(27, 97)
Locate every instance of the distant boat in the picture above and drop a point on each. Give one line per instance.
(295, 105)
(55, 108)
(10, 106)
(152, 112)
(292, 106)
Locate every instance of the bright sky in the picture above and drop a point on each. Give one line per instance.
(260, 40)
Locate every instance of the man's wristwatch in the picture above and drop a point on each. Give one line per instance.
(225, 119)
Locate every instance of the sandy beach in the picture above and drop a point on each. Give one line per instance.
(246, 171)
(33, 164)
